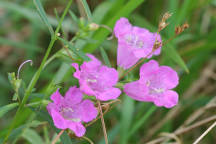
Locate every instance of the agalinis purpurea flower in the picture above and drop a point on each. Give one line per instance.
(134, 43)
(154, 85)
(71, 110)
(97, 80)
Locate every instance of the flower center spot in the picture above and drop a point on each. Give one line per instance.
(134, 41)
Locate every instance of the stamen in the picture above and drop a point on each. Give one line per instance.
(19, 69)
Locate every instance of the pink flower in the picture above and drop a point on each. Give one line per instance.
(97, 80)
(133, 43)
(154, 85)
(70, 111)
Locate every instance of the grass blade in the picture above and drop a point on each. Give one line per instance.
(139, 123)
(127, 115)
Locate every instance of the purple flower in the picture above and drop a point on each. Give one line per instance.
(134, 43)
(70, 111)
(154, 85)
(97, 80)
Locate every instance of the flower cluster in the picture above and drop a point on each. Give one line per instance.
(97, 80)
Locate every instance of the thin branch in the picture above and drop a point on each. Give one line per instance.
(103, 123)
(57, 137)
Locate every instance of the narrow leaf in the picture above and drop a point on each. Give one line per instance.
(74, 17)
(6, 108)
(86, 8)
(173, 54)
(43, 15)
(105, 57)
(76, 51)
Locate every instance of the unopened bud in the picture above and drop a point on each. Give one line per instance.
(93, 26)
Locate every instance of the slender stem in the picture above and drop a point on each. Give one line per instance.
(205, 133)
(103, 123)
(57, 137)
(37, 74)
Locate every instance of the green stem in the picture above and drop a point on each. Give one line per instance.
(37, 74)
(142, 120)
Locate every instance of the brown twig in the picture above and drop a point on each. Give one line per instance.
(102, 121)
(57, 137)
(205, 133)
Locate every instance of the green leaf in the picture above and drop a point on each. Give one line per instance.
(32, 136)
(6, 108)
(43, 15)
(173, 54)
(105, 57)
(127, 115)
(76, 51)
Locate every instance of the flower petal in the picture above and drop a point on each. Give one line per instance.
(169, 77)
(125, 57)
(148, 68)
(92, 64)
(56, 97)
(77, 73)
(89, 112)
(58, 120)
(122, 27)
(77, 127)
(168, 99)
(111, 93)
(137, 90)
(108, 76)
(73, 95)
(85, 88)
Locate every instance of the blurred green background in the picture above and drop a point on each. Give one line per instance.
(24, 36)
